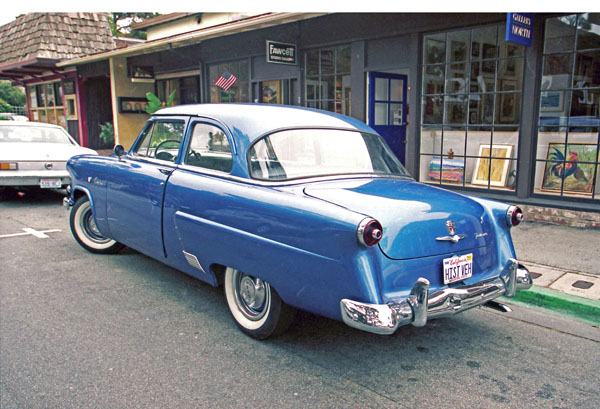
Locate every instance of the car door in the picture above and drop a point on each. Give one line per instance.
(198, 196)
(135, 189)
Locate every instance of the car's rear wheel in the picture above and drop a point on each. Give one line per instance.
(255, 305)
(85, 231)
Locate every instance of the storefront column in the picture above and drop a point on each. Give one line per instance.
(357, 81)
(530, 112)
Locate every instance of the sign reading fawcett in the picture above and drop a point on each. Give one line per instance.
(281, 53)
(519, 28)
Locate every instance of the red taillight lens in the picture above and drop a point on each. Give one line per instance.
(369, 232)
(514, 216)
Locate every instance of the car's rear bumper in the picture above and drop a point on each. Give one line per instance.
(421, 305)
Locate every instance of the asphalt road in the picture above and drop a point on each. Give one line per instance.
(80, 330)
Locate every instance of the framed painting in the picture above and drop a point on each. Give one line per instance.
(271, 93)
(446, 170)
(495, 172)
(570, 168)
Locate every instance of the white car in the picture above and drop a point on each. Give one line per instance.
(35, 154)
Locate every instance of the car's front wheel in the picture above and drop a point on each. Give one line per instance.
(255, 305)
(85, 231)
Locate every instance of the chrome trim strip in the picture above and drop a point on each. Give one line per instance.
(193, 261)
(454, 239)
(420, 305)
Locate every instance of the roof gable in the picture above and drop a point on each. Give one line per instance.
(54, 36)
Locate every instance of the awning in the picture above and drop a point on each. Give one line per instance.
(193, 37)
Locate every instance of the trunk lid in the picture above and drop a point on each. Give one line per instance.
(413, 215)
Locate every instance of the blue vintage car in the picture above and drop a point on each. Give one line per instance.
(291, 208)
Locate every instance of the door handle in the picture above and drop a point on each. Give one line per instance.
(165, 171)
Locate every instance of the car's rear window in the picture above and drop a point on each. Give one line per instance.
(34, 134)
(300, 153)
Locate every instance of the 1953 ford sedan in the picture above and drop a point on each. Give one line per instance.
(291, 208)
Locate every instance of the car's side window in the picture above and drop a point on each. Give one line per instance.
(209, 148)
(161, 140)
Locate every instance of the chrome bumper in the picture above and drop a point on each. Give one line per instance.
(420, 305)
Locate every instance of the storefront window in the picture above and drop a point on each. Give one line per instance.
(46, 103)
(471, 106)
(569, 120)
(187, 90)
(327, 81)
(239, 91)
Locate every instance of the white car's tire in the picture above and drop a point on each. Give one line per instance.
(255, 306)
(84, 229)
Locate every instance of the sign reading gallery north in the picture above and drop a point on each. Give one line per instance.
(281, 53)
(519, 28)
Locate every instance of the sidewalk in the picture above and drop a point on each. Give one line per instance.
(565, 266)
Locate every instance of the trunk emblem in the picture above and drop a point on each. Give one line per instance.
(453, 237)
(451, 228)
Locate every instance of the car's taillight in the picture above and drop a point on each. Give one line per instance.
(369, 232)
(514, 216)
(8, 166)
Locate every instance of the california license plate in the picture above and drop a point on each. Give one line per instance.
(50, 183)
(458, 268)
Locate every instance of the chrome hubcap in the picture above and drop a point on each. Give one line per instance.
(252, 295)
(88, 224)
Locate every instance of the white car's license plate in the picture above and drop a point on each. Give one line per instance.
(458, 268)
(50, 183)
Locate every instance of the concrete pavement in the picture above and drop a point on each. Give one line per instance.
(565, 266)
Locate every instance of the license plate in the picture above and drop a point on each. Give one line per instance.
(458, 268)
(50, 183)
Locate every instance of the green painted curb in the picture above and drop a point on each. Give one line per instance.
(580, 308)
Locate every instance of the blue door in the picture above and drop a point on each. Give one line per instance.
(388, 109)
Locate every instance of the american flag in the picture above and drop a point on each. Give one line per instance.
(226, 80)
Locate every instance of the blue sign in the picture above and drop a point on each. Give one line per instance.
(519, 28)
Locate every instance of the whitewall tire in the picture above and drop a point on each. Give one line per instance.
(255, 306)
(85, 231)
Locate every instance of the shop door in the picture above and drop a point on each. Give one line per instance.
(388, 109)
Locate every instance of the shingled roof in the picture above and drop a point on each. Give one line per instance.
(54, 36)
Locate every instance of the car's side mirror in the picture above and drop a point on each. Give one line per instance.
(119, 151)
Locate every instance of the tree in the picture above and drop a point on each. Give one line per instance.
(13, 95)
(10, 96)
(120, 24)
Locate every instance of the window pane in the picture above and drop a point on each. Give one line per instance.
(396, 90)
(327, 62)
(433, 110)
(588, 31)
(431, 140)
(560, 34)
(510, 72)
(209, 148)
(381, 114)
(483, 43)
(458, 44)
(456, 79)
(587, 69)
(312, 63)
(433, 79)
(434, 49)
(456, 109)
(508, 108)
(557, 71)
(381, 89)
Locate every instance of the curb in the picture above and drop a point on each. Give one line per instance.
(582, 309)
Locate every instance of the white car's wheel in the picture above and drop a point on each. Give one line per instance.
(85, 231)
(255, 305)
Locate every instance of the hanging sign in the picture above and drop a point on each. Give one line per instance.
(281, 53)
(519, 28)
